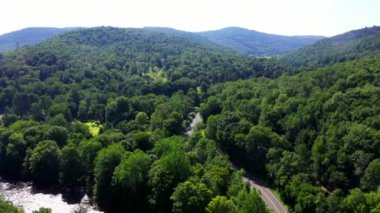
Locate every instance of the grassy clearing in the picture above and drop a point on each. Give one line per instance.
(94, 128)
(203, 132)
(157, 75)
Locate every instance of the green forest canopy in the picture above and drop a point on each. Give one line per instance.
(315, 135)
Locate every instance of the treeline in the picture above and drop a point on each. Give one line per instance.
(315, 135)
(78, 72)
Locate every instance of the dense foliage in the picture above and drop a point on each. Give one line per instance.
(104, 110)
(345, 47)
(316, 135)
(77, 74)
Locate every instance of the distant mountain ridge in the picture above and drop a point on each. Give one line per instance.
(257, 43)
(241, 40)
(29, 36)
(347, 46)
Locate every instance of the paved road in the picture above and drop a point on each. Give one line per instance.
(266, 194)
(268, 197)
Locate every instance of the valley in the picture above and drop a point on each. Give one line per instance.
(151, 119)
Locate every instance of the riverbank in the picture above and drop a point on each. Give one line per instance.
(24, 195)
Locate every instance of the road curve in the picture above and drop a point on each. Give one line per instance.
(265, 193)
(273, 204)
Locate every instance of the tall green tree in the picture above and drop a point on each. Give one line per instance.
(71, 167)
(130, 181)
(190, 197)
(105, 163)
(220, 204)
(164, 176)
(44, 162)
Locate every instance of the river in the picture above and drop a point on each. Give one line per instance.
(193, 124)
(24, 195)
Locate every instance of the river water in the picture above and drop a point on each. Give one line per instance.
(193, 124)
(23, 194)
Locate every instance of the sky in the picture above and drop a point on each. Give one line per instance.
(284, 17)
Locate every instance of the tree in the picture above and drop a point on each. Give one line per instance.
(217, 178)
(12, 152)
(142, 118)
(8, 207)
(140, 140)
(300, 191)
(355, 202)
(88, 150)
(211, 107)
(22, 102)
(130, 181)
(220, 204)
(44, 162)
(257, 142)
(118, 110)
(189, 196)
(334, 201)
(58, 134)
(168, 145)
(164, 176)
(371, 177)
(43, 210)
(71, 167)
(173, 124)
(249, 201)
(105, 163)
(60, 108)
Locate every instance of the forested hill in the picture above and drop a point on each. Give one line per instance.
(234, 39)
(255, 43)
(105, 109)
(316, 134)
(348, 46)
(29, 36)
(184, 34)
(127, 61)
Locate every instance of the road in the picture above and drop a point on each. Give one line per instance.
(267, 196)
(265, 193)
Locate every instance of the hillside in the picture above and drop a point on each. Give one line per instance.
(29, 36)
(237, 39)
(104, 110)
(180, 33)
(161, 62)
(138, 89)
(315, 135)
(348, 46)
(255, 43)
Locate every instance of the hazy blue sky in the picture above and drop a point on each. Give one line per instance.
(287, 17)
